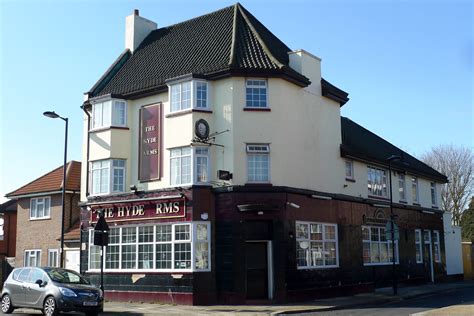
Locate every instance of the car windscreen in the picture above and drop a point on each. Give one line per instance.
(66, 276)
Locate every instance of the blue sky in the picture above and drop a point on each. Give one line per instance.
(407, 66)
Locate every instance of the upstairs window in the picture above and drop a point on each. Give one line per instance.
(108, 176)
(40, 208)
(377, 182)
(349, 170)
(256, 93)
(414, 189)
(401, 187)
(433, 194)
(189, 165)
(189, 94)
(109, 113)
(258, 163)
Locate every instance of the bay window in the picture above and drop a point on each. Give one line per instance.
(256, 93)
(189, 94)
(109, 113)
(162, 247)
(316, 245)
(377, 249)
(189, 165)
(107, 176)
(377, 182)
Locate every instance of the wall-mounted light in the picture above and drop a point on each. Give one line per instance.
(322, 197)
(293, 204)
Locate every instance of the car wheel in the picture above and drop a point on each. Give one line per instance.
(49, 307)
(7, 307)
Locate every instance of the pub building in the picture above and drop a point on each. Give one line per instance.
(219, 158)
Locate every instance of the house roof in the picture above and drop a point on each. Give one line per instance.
(8, 206)
(74, 232)
(52, 181)
(358, 142)
(230, 41)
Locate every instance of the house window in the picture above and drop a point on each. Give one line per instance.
(256, 93)
(377, 249)
(437, 248)
(1, 228)
(377, 182)
(418, 246)
(189, 94)
(202, 164)
(414, 189)
(316, 245)
(180, 162)
(349, 170)
(40, 208)
(433, 194)
(32, 258)
(109, 113)
(108, 176)
(401, 187)
(53, 258)
(164, 247)
(258, 163)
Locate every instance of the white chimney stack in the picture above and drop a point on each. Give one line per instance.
(308, 65)
(136, 29)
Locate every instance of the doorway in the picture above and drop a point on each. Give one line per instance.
(259, 270)
(428, 255)
(72, 260)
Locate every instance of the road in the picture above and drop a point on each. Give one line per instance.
(454, 302)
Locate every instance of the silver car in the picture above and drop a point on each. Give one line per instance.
(52, 290)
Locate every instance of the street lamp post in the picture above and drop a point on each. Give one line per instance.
(392, 220)
(63, 193)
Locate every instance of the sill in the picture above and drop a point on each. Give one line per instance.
(350, 180)
(122, 271)
(257, 109)
(317, 268)
(101, 129)
(179, 113)
(202, 111)
(383, 198)
(434, 206)
(416, 204)
(380, 264)
(403, 202)
(39, 218)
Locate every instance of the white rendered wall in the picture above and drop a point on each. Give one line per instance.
(453, 246)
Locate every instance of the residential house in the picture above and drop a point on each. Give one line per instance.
(39, 212)
(219, 158)
(7, 237)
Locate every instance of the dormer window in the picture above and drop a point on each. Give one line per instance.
(109, 113)
(189, 94)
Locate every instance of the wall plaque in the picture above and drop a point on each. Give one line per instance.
(150, 142)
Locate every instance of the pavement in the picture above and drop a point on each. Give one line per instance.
(380, 296)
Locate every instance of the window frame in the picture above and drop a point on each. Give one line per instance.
(323, 241)
(419, 245)
(110, 178)
(384, 189)
(27, 257)
(262, 152)
(415, 192)
(56, 258)
(36, 200)
(191, 240)
(111, 117)
(194, 165)
(402, 188)
(433, 191)
(194, 98)
(436, 247)
(350, 164)
(370, 241)
(247, 85)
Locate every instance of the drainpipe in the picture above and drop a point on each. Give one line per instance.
(87, 150)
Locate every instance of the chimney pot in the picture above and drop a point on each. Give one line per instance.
(136, 12)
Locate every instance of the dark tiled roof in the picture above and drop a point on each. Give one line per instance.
(8, 206)
(52, 181)
(225, 42)
(74, 232)
(361, 143)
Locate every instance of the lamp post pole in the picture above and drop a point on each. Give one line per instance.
(392, 222)
(63, 192)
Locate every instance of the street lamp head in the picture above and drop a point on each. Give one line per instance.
(51, 114)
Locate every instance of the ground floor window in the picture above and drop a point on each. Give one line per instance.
(418, 246)
(316, 245)
(32, 258)
(377, 249)
(437, 251)
(172, 247)
(53, 258)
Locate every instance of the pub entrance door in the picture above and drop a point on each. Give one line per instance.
(428, 255)
(259, 279)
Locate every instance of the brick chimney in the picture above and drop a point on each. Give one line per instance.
(136, 29)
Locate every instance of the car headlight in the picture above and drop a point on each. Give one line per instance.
(67, 292)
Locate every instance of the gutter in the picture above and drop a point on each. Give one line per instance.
(83, 107)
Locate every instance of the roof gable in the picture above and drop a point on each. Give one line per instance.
(359, 142)
(52, 181)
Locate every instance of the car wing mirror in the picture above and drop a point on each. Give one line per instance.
(41, 283)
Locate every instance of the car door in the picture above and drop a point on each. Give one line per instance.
(34, 293)
(18, 287)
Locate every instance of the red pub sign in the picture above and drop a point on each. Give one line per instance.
(140, 210)
(150, 140)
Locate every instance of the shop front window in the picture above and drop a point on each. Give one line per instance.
(163, 247)
(377, 249)
(316, 245)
